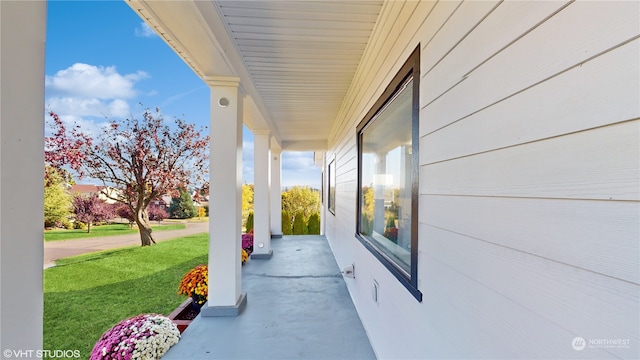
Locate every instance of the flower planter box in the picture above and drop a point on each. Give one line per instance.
(183, 315)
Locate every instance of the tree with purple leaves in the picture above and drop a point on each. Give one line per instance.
(91, 209)
(140, 159)
(156, 213)
(124, 212)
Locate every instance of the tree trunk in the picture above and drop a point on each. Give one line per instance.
(142, 220)
(89, 227)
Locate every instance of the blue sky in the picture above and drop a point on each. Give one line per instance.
(103, 62)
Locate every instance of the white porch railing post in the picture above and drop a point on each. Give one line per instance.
(225, 205)
(261, 197)
(276, 192)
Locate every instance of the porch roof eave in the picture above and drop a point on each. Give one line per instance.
(195, 32)
(295, 61)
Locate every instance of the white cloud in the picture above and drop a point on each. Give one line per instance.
(144, 31)
(247, 162)
(119, 108)
(247, 151)
(88, 95)
(89, 127)
(79, 107)
(89, 81)
(298, 161)
(298, 168)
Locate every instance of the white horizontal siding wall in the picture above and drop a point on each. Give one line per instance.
(529, 180)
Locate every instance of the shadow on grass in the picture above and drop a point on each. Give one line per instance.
(104, 254)
(75, 320)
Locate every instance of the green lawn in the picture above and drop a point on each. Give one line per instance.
(86, 295)
(103, 230)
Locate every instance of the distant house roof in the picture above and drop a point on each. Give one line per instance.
(85, 189)
(166, 199)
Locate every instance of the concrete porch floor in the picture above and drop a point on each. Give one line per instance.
(298, 307)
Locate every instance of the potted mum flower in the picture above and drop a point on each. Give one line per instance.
(247, 242)
(195, 284)
(146, 336)
(245, 256)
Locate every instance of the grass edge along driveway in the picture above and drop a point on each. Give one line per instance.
(103, 230)
(86, 295)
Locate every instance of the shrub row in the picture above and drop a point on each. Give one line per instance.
(293, 225)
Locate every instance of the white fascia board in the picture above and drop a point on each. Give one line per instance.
(181, 26)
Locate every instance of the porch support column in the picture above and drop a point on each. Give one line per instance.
(276, 192)
(261, 197)
(23, 32)
(225, 205)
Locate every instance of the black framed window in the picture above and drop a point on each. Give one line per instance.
(387, 221)
(331, 174)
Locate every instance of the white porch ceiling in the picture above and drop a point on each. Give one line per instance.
(295, 59)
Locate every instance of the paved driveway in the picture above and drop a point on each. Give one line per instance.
(54, 250)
